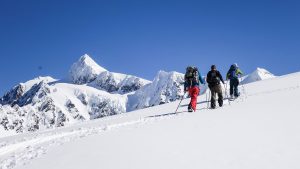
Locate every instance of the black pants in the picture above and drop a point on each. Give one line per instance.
(234, 83)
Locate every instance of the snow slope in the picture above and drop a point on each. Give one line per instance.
(259, 130)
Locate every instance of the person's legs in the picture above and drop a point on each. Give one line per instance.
(231, 87)
(236, 89)
(220, 95)
(190, 104)
(194, 92)
(213, 97)
(190, 107)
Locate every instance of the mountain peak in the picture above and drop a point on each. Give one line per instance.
(257, 75)
(86, 60)
(85, 70)
(263, 73)
(85, 56)
(258, 69)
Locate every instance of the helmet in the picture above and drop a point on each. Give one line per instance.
(235, 65)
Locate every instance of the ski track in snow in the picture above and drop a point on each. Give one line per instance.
(20, 152)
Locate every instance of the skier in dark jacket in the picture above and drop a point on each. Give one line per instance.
(214, 79)
(192, 80)
(233, 75)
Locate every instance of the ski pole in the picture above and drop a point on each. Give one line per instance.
(240, 82)
(225, 89)
(243, 87)
(226, 92)
(208, 99)
(179, 103)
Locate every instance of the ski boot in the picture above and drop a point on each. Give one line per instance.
(190, 108)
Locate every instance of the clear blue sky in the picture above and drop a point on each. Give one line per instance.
(44, 37)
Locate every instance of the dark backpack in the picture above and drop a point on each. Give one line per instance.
(215, 80)
(191, 75)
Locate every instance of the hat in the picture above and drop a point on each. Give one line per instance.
(213, 67)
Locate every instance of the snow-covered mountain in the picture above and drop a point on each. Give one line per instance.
(257, 75)
(85, 70)
(118, 83)
(166, 87)
(45, 103)
(13, 96)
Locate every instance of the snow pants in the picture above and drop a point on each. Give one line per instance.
(216, 89)
(234, 83)
(194, 92)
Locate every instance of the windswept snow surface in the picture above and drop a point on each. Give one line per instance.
(258, 130)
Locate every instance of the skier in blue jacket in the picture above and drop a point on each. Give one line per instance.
(233, 75)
